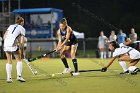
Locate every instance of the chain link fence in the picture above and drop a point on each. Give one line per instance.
(86, 47)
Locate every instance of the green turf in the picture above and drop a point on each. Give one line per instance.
(91, 82)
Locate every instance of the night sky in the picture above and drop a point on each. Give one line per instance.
(92, 16)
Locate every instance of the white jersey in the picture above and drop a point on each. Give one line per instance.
(13, 32)
(102, 41)
(112, 38)
(123, 49)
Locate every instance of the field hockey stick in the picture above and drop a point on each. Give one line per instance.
(88, 70)
(41, 56)
(33, 70)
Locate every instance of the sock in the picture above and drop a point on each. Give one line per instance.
(65, 62)
(132, 68)
(104, 54)
(9, 70)
(75, 64)
(19, 68)
(109, 54)
(123, 65)
(101, 55)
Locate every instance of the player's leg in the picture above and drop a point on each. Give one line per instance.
(74, 60)
(19, 66)
(133, 68)
(101, 53)
(104, 53)
(132, 63)
(9, 67)
(124, 67)
(125, 58)
(122, 63)
(122, 60)
(64, 60)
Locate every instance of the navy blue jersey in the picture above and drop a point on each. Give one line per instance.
(72, 40)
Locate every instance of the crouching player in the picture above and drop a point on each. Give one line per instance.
(10, 45)
(124, 53)
(67, 41)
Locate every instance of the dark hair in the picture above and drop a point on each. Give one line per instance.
(63, 21)
(19, 20)
(114, 44)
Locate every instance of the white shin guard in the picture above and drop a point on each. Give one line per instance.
(9, 70)
(19, 68)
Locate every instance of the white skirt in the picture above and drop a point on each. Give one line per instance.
(10, 49)
(134, 54)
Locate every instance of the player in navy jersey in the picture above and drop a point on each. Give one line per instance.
(67, 41)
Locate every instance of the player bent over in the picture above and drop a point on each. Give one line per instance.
(123, 63)
(67, 41)
(10, 45)
(124, 53)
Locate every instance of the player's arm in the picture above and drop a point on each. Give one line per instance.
(5, 35)
(59, 39)
(67, 37)
(127, 41)
(111, 61)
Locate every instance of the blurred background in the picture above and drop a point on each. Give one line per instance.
(86, 17)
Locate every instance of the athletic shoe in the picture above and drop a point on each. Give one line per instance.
(125, 72)
(135, 71)
(9, 80)
(66, 70)
(75, 73)
(19, 78)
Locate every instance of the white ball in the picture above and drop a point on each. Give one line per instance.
(53, 75)
(35, 72)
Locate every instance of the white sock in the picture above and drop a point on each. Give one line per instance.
(9, 70)
(19, 68)
(101, 55)
(109, 54)
(132, 68)
(123, 65)
(104, 54)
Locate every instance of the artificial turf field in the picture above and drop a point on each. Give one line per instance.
(88, 82)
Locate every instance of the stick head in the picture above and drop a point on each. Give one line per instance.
(29, 60)
(71, 73)
(104, 69)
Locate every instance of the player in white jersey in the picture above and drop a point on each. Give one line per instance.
(102, 41)
(124, 53)
(112, 37)
(10, 45)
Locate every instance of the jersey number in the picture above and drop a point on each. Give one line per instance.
(14, 29)
(125, 47)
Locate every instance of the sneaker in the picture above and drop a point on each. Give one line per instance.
(66, 70)
(19, 78)
(75, 74)
(125, 72)
(9, 80)
(135, 71)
